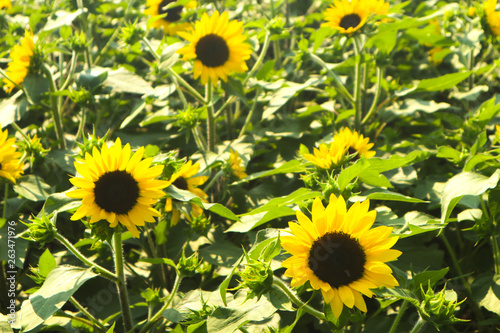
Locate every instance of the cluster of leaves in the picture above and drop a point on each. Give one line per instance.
(430, 73)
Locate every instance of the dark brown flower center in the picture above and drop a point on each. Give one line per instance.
(337, 259)
(173, 14)
(181, 183)
(212, 50)
(350, 21)
(116, 192)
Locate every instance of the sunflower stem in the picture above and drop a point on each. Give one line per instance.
(87, 314)
(470, 300)
(291, 295)
(419, 325)
(71, 71)
(101, 270)
(401, 311)
(121, 282)
(373, 107)
(85, 22)
(339, 85)
(250, 114)
(158, 314)
(210, 116)
(55, 107)
(262, 54)
(496, 254)
(358, 102)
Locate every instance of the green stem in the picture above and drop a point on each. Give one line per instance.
(120, 282)
(87, 53)
(475, 308)
(87, 314)
(419, 325)
(250, 114)
(101, 270)
(339, 85)
(71, 72)
(358, 102)
(307, 308)
(5, 196)
(210, 117)
(55, 108)
(496, 253)
(401, 311)
(373, 107)
(265, 47)
(158, 314)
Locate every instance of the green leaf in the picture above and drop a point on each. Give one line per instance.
(262, 240)
(428, 276)
(444, 82)
(46, 263)
(223, 286)
(292, 166)
(59, 202)
(465, 183)
(165, 261)
(186, 196)
(122, 80)
(235, 87)
(374, 178)
(12, 110)
(221, 253)
(61, 18)
(384, 41)
(275, 208)
(136, 110)
(61, 283)
(239, 312)
(112, 328)
(35, 85)
(21, 244)
(33, 188)
(352, 172)
(382, 194)
(400, 293)
(397, 161)
(319, 36)
(486, 291)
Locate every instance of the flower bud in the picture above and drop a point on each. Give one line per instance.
(439, 308)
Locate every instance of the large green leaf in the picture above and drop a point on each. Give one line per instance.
(33, 188)
(352, 172)
(239, 312)
(61, 283)
(290, 166)
(465, 183)
(383, 194)
(187, 196)
(486, 291)
(275, 208)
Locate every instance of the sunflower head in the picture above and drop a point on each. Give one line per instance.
(217, 47)
(11, 167)
(25, 58)
(234, 165)
(5, 4)
(168, 17)
(339, 253)
(117, 186)
(492, 16)
(356, 143)
(186, 179)
(328, 157)
(348, 16)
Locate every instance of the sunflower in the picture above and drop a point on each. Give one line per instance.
(5, 4)
(347, 16)
(218, 47)
(184, 179)
(328, 156)
(339, 254)
(492, 16)
(356, 143)
(21, 56)
(171, 22)
(116, 186)
(10, 164)
(235, 164)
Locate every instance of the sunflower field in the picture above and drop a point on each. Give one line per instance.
(249, 166)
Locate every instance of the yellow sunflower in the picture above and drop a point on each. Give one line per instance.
(347, 16)
(10, 164)
(328, 156)
(339, 254)
(171, 22)
(492, 16)
(5, 4)
(21, 56)
(235, 163)
(116, 186)
(355, 142)
(218, 47)
(184, 179)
